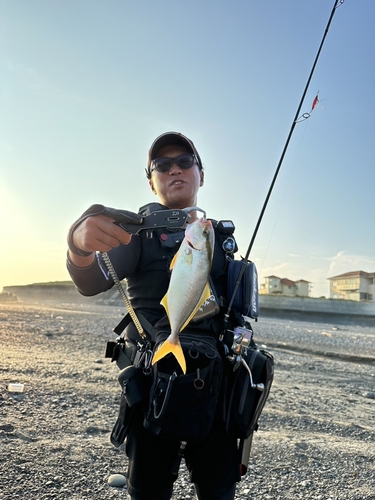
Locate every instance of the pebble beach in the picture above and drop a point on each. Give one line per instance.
(316, 438)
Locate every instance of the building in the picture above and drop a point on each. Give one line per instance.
(355, 285)
(284, 286)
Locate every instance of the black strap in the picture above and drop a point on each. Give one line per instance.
(149, 330)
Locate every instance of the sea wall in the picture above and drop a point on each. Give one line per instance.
(276, 305)
(58, 292)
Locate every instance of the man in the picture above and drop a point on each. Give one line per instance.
(175, 174)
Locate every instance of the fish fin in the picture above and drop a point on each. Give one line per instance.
(189, 257)
(164, 303)
(173, 261)
(170, 347)
(188, 254)
(206, 294)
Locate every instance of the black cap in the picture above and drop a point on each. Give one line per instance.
(171, 138)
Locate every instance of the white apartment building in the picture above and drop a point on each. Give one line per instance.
(283, 286)
(355, 285)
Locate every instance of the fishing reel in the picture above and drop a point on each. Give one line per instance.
(242, 337)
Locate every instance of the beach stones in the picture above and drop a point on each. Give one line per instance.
(117, 480)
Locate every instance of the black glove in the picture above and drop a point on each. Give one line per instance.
(119, 216)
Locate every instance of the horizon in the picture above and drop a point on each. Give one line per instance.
(69, 281)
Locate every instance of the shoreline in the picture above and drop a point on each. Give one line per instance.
(308, 308)
(316, 434)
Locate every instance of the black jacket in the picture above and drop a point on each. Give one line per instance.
(145, 262)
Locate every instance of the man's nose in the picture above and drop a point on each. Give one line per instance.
(175, 169)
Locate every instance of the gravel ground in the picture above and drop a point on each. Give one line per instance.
(317, 432)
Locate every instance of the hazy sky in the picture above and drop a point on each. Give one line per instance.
(87, 85)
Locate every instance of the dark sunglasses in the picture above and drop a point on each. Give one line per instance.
(164, 164)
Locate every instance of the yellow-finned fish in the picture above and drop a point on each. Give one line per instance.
(188, 288)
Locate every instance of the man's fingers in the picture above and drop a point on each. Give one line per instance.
(98, 233)
(115, 237)
(116, 232)
(124, 237)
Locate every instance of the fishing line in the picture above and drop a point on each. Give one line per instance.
(337, 4)
(317, 101)
(282, 201)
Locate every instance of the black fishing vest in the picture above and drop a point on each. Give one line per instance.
(150, 281)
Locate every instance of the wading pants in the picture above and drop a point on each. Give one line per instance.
(214, 465)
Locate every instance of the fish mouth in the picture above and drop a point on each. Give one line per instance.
(191, 245)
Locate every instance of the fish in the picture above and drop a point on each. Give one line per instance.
(188, 287)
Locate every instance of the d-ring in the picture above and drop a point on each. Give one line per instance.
(198, 382)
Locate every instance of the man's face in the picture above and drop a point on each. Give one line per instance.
(176, 188)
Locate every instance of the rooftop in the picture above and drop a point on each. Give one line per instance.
(354, 274)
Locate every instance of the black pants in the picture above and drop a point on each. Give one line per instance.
(214, 465)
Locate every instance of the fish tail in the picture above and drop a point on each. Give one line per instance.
(171, 347)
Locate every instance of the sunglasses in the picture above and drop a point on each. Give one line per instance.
(164, 164)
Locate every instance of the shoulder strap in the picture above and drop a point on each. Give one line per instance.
(148, 329)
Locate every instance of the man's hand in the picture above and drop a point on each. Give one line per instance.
(94, 231)
(98, 233)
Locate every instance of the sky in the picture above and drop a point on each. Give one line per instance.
(86, 86)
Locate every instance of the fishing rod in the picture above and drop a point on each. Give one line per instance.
(337, 4)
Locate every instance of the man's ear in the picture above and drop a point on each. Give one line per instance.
(202, 178)
(151, 184)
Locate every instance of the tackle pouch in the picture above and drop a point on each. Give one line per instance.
(182, 407)
(135, 382)
(123, 351)
(246, 300)
(121, 426)
(249, 387)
